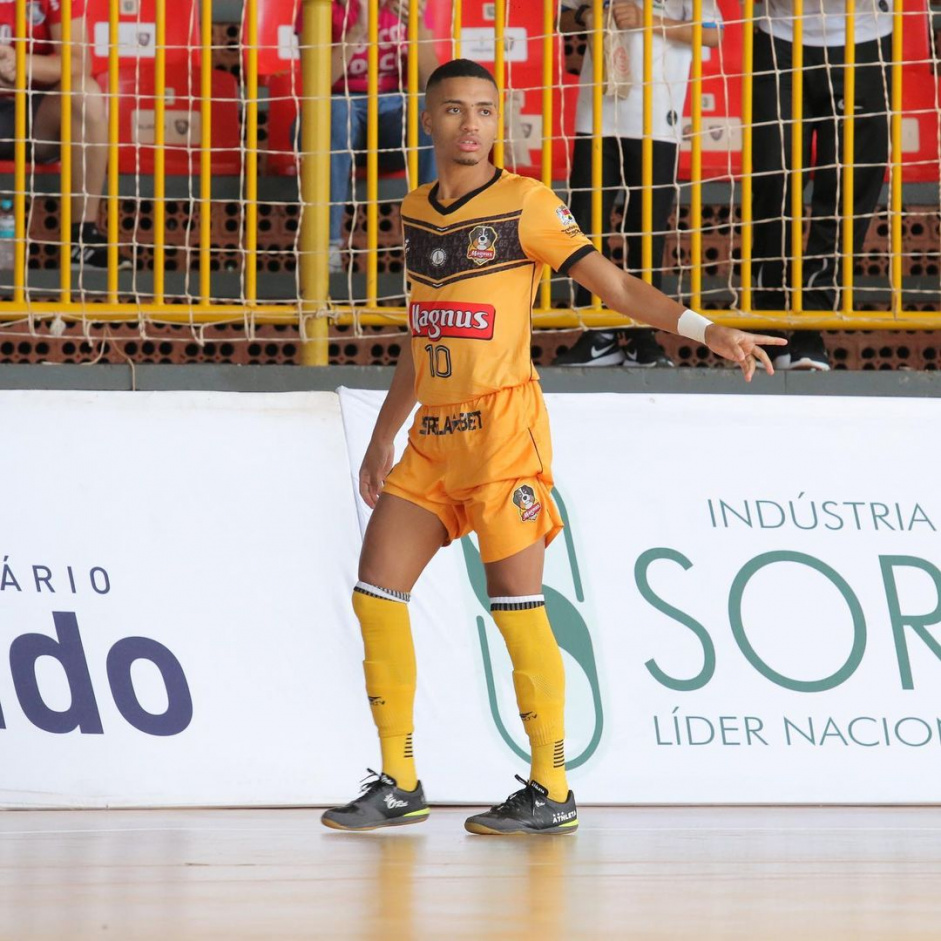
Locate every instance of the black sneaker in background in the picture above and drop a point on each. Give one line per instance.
(807, 351)
(644, 352)
(528, 810)
(382, 804)
(593, 348)
(90, 249)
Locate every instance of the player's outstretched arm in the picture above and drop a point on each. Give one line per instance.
(635, 298)
(398, 405)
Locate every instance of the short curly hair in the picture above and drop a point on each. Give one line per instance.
(459, 68)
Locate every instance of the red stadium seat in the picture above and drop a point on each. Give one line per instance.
(183, 122)
(277, 42)
(284, 90)
(137, 32)
(919, 96)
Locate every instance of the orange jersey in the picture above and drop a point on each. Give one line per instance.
(474, 267)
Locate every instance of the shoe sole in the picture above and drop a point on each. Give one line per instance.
(394, 822)
(808, 365)
(611, 359)
(127, 266)
(482, 830)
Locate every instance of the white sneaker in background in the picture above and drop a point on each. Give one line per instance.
(335, 258)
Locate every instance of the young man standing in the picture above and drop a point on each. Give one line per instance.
(479, 454)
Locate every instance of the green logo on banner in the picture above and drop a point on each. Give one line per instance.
(569, 628)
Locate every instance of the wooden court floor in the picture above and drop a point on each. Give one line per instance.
(653, 872)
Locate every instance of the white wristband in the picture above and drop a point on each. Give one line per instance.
(693, 325)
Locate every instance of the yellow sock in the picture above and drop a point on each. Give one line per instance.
(539, 680)
(398, 761)
(548, 768)
(390, 676)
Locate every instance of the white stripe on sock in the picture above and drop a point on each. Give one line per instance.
(402, 597)
(518, 599)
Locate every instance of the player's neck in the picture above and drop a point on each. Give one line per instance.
(455, 181)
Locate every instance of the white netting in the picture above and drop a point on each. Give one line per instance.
(207, 263)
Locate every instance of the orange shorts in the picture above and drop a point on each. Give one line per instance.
(483, 465)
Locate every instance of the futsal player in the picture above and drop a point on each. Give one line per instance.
(479, 455)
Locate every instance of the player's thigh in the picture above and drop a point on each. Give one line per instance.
(47, 127)
(519, 574)
(400, 541)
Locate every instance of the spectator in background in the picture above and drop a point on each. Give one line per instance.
(349, 104)
(87, 110)
(824, 39)
(622, 130)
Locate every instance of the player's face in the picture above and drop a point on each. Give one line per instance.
(461, 117)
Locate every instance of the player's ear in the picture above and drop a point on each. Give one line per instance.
(425, 119)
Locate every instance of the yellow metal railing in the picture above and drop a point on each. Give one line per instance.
(314, 308)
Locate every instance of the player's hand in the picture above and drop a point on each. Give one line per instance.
(7, 65)
(742, 348)
(627, 15)
(375, 468)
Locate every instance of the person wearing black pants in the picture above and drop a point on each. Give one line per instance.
(621, 173)
(622, 132)
(823, 104)
(621, 164)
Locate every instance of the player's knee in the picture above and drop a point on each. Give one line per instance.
(88, 101)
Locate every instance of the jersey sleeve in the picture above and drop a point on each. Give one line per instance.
(549, 232)
(53, 10)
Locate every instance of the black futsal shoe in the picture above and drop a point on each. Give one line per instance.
(528, 810)
(382, 804)
(642, 351)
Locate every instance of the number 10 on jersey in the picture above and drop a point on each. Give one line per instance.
(439, 360)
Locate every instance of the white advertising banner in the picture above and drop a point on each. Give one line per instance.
(747, 594)
(747, 599)
(175, 580)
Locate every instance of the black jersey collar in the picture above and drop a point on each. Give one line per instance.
(466, 198)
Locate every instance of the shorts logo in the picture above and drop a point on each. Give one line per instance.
(469, 321)
(482, 241)
(525, 499)
(36, 13)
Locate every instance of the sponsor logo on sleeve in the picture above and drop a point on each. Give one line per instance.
(466, 321)
(567, 220)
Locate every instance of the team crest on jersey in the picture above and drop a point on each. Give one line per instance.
(525, 499)
(483, 238)
(438, 257)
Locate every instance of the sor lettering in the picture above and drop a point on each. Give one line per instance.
(467, 321)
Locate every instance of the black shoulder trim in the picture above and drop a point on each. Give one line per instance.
(576, 256)
(466, 198)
